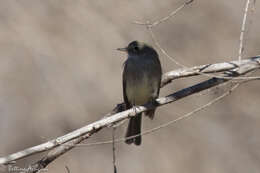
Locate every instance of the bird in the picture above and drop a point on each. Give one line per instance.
(142, 75)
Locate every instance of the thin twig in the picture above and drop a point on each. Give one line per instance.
(163, 19)
(162, 50)
(67, 169)
(243, 28)
(114, 149)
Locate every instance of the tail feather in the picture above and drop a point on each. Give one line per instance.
(134, 128)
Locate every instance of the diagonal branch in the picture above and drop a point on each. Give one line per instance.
(233, 69)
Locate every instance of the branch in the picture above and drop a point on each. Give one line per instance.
(233, 69)
(207, 68)
(55, 153)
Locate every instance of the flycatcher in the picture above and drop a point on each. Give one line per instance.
(141, 83)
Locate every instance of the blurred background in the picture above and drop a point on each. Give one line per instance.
(59, 71)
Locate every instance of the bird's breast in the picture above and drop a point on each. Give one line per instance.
(138, 91)
(141, 85)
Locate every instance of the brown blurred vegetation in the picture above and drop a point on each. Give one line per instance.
(59, 71)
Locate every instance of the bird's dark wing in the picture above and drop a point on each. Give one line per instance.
(124, 87)
(160, 76)
(156, 73)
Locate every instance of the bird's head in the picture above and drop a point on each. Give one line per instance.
(137, 48)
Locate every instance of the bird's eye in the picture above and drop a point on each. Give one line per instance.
(136, 48)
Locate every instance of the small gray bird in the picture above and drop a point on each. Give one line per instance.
(141, 83)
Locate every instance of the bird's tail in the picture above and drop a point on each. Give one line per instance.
(134, 128)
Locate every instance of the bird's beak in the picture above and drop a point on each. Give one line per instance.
(122, 49)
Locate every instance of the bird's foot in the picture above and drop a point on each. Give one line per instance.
(135, 111)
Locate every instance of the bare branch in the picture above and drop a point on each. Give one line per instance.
(208, 68)
(56, 152)
(84, 132)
